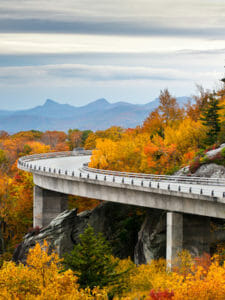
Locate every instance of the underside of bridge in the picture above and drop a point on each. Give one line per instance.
(183, 231)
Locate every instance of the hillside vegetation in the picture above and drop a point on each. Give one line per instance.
(170, 137)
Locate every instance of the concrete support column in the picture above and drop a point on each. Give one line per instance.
(47, 205)
(174, 236)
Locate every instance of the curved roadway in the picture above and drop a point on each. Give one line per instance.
(73, 165)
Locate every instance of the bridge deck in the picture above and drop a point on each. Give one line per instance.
(73, 165)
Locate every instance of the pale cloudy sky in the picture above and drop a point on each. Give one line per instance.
(75, 51)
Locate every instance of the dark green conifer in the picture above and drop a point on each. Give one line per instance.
(91, 260)
(210, 119)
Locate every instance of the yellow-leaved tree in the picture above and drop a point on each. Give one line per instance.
(42, 278)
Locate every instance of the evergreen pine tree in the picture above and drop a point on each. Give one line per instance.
(91, 261)
(210, 119)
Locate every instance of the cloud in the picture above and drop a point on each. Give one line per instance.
(129, 47)
(77, 43)
(199, 18)
(118, 27)
(75, 74)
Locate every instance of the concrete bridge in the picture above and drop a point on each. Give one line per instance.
(57, 175)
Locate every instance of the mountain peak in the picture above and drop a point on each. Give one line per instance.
(50, 102)
(101, 101)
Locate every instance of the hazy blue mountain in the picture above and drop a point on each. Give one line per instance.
(99, 114)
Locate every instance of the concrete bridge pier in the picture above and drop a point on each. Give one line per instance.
(185, 231)
(174, 236)
(47, 205)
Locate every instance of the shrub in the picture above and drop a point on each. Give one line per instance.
(223, 152)
(194, 165)
(161, 295)
(204, 160)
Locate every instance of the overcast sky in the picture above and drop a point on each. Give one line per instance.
(75, 51)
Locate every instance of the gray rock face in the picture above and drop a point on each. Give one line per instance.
(119, 224)
(212, 153)
(183, 172)
(151, 238)
(57, 233)
(210, 171)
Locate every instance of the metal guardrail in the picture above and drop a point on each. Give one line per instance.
(183, 179)
(165, 182)
(53, 155)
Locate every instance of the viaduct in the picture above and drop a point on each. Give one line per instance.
(57, 175)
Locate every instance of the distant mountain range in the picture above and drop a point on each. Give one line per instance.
(99, 114)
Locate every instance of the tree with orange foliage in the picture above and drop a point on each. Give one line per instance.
(161, 158)
(188, 135)
(154, 124)
(113, 133)
(74, 138)
(54, 138)
(169, 108)
(194, 110)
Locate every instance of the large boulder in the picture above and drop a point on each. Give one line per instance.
(210, 171)
(118, 223)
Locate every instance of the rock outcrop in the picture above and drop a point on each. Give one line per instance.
(119, 224)
(134, 232)
(210, 170)
(216, 151)
(151, 238)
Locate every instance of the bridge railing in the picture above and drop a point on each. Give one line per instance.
(53, 155)
(183, 179)
(186, 184)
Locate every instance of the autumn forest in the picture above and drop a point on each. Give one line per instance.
(170, 138)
